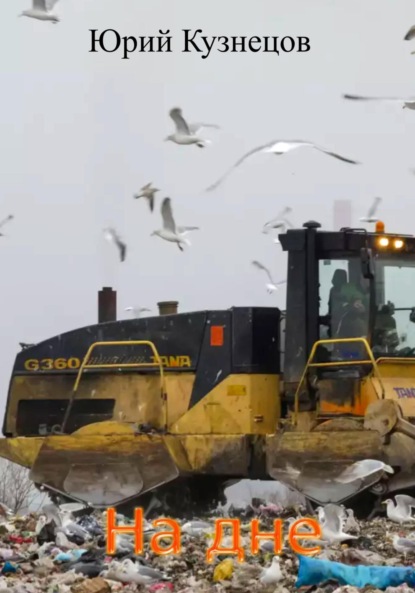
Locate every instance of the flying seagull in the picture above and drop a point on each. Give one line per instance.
(184, 134)
(370, 216)
(184, 230)
(147, 192)
(271, 285)
(411, 34)
(111, 235)
(279, 222)
(42, 11)
(195, 128)
(170, 232)
(279, 147)
(3, 222)
(136, 311)
(408, 102)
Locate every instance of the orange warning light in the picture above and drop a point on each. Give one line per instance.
(380, 227)
(216, 335)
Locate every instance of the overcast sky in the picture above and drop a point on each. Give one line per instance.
(81, 132)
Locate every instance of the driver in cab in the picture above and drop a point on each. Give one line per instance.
(351, 318)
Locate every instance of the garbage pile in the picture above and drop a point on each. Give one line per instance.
(64, 550)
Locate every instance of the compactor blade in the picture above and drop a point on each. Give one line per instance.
(311, 462)
(104, 469)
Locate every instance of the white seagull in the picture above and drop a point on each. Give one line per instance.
(42, 11)
(408, 102)
(271, 285)
(184, 134)
(350, 522)
(111, 235)
(279, 222)
(148, 192)
(370, 216)
(279, 147)
(333, 523)
(128, 571)
(3, 222)
(184, 230)
(195, 128)
(272, 574)
(195, 528)
(169, 232)
(362, 469)
(402, 544)
(402, 512)
(136, 311)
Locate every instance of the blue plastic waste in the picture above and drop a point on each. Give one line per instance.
(69, 556)
(8, 567)
(313, 571)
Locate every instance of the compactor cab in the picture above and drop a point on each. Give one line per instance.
(172, 408)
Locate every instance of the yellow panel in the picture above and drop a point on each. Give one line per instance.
(21, 450)
(401, 390)
(236, 390)
(256, 412)
(240, 404)
(137, 396)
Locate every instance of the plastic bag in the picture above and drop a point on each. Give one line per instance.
(313, 571)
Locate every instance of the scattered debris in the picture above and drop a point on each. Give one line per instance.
(63, 550)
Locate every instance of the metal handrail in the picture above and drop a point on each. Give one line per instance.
(398, 359)
(85, 366)
(371, 360)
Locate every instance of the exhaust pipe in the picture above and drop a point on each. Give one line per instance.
(107, 305)
(168, 307)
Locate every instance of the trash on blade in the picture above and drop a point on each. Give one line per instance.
(104, 470)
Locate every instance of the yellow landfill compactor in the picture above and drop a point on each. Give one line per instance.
(173, 408)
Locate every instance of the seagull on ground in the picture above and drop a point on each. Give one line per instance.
(332, 526)
(169, 232)
(408, 102)
(64, 520)
(148, 192)
(136, 311)
(3, 222)
(279, 147)
(196, 527)
(402, 544)
(411, 34)
(370, 216)
(42, 11)
(271, 285)
(129, 572)
(350, 522)
(272, 574)
(402, 511)
(111, 235)
(185, 134)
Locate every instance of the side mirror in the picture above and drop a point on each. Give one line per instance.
(366, 262)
